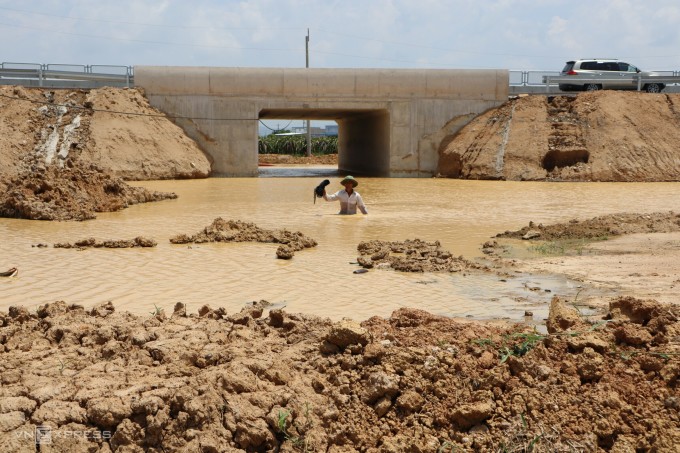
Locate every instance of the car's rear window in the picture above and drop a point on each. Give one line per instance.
(567, 68)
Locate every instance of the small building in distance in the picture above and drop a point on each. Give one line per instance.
(331, 130)
(316, 131)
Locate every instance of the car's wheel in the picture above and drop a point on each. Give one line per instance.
(653, 88)
(591, 87)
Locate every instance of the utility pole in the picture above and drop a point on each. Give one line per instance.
(309, 123)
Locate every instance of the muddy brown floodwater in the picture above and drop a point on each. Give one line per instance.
(461, 215)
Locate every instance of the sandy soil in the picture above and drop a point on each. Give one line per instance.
(599, 136)
(285, 159)
(629, 254)
(265, 380)
(116, 129)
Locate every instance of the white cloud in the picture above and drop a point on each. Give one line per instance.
(538, 34)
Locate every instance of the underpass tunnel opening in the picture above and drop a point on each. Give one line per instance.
(363, 136)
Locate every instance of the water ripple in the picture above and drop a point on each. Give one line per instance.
(460, 214)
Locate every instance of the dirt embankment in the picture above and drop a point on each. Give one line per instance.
(73, 192)
(65, 153)
(266, 380)
(599, 136)
(114, 128)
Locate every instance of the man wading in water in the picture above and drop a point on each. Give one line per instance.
(349, 198)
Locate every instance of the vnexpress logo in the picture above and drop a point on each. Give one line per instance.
(43, 435)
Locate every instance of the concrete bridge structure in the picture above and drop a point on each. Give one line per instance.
(392, 122)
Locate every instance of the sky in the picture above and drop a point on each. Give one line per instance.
(447, 34)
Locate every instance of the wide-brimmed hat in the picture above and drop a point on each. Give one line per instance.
(350, 179)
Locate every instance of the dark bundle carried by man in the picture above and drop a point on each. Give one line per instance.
(318, 191)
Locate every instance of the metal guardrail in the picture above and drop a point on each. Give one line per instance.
(64, 74)
(534, 82)
(637, 81)
(537, 78)
(69, 76)
(666, 80)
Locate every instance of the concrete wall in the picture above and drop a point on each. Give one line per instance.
(391, 121)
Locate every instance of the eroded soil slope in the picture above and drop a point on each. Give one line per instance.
(64, 154)
(114, 128)
(599, 136)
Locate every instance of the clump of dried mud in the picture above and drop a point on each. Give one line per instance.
(599, 227)
(263, 380)
(221, 230)
(72, 192)
(411, 256)
(139, 241)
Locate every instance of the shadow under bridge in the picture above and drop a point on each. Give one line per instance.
(363, 136)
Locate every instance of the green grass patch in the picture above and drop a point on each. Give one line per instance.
(296, 145)
(561, 247)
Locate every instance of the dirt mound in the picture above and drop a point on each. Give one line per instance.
(599, 227)
(70, 193)
(114, 128)
(598, 136)
(142, 143)
(221, 230)
(411, 256)
(63, 153)
(139, 241)
(263, 381)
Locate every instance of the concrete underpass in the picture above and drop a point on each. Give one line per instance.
(391, 121)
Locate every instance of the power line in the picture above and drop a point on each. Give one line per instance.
(184, 44)
(117, 112)
(143, 24)
(166, 43)
(318, 51)
(277, 129)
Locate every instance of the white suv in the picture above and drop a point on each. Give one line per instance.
(602, 74)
